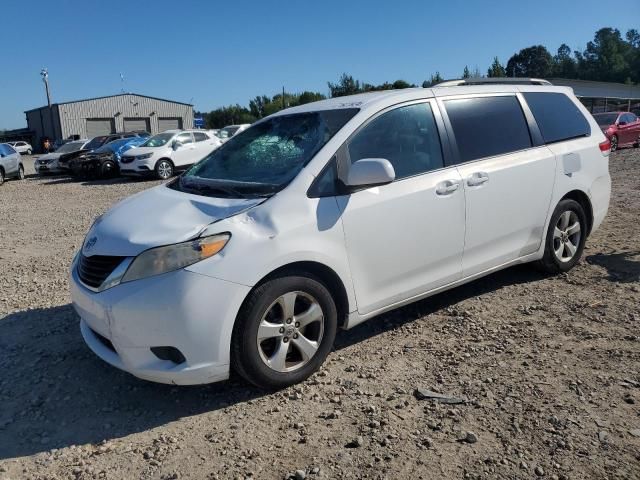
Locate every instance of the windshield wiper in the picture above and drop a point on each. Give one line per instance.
(227, 190)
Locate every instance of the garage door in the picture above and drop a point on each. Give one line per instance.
(169, 124)
(99, 126)
(136, 124)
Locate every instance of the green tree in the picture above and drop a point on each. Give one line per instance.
(496, 69)
(346, 85)
(435, 79)
(230, 115)
(606, 58)
(466, 73)
(535, 61)
(564, 65)
(308, 97)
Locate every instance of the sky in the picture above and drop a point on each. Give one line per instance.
(218, 53)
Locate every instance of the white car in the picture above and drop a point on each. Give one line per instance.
(22, 147)
(48, 163)
(165, 153)
(10, 163)
(328, 214)
(231, 130)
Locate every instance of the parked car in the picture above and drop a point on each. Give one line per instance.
(621, 128)
(330, 213)
(22, 147)
(231, 130)
(104, 162)
(48, 163)
(95, 143)
(10, 163)
(165, 153)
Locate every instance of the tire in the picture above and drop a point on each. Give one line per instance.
(614, 143)
(164, 169)
(264, 310)
(21, 172)
(28, 152)
(637, 143)
(108, 169)
(564, 242)
(1, 176)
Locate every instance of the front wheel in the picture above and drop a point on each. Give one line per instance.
(108, 169)
(21, 172)
(284, 332)
(1, 176)
(28, 152)
(614, 143)
(164, 170)
(566, 237)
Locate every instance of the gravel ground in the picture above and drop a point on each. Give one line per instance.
(545, 371)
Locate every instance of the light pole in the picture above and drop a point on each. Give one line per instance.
(45, 78)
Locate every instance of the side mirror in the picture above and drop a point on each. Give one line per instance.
(176, 144)
(370, 172)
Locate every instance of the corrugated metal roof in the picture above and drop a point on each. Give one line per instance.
(110, 96)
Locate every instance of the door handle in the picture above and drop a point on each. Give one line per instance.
(477, 178)
(447, 187)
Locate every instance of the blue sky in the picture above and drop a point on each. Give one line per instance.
(217, 53)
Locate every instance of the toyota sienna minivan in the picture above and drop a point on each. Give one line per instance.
(328, 214)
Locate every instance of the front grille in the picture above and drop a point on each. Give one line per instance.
(93, 271)
(126, 159)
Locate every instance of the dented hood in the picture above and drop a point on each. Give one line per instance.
(155, 217)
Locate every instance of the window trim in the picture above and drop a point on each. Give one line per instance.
(532, 126)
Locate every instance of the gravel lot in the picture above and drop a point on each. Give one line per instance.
(548, 368)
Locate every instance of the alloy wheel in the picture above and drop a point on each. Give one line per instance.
(614, 143)
(164, 170)
(21, 173)
(566, 236)
(290, 331)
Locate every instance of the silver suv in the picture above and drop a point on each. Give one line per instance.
(10, 163)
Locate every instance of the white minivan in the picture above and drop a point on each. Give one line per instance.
(328, 214)
(165, 153)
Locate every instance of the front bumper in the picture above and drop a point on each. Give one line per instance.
(137, 167)
(191, 312)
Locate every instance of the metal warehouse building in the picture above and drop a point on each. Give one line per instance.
(103, 115)
(604, 96)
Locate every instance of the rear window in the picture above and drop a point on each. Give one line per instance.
(557, 116)
(488, 126)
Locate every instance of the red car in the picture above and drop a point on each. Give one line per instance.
(621, 128)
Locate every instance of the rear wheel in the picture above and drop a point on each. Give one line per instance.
(164, 169)
(29, 152)
(566, 237)
(1, 176)
(284, 331)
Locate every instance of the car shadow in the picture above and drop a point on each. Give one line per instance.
(621, 267)
(56, 393)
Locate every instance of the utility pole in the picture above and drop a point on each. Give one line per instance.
(283, 107)
(45, 78)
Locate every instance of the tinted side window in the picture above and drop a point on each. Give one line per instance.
(557, 116)
(488, 126)
(628, 117)
(3, 150)
(200, 137)
(184, 138)
(406, 136)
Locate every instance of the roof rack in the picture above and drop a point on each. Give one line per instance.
(493, 81)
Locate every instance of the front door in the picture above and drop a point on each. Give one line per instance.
(407, 237)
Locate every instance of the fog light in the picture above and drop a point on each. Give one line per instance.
(169, 353)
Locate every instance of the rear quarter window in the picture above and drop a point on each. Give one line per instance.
(557, 116)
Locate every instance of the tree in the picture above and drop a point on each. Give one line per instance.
(256, 106)
(233, 114)
(496, 70)
(308, 97)
(535, 61)
(564, 65)
(606, 58)
(466, 73)
(346, 85)
(435, 79)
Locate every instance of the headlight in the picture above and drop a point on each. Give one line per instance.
(173, 257)
(144, 157)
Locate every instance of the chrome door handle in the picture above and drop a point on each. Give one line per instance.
(477, 178)
(447, 187)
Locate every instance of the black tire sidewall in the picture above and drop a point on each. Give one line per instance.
(549, 256)
(108, 172)
(21, 172)
(246, 359)
(614, 148)
(1, 177)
